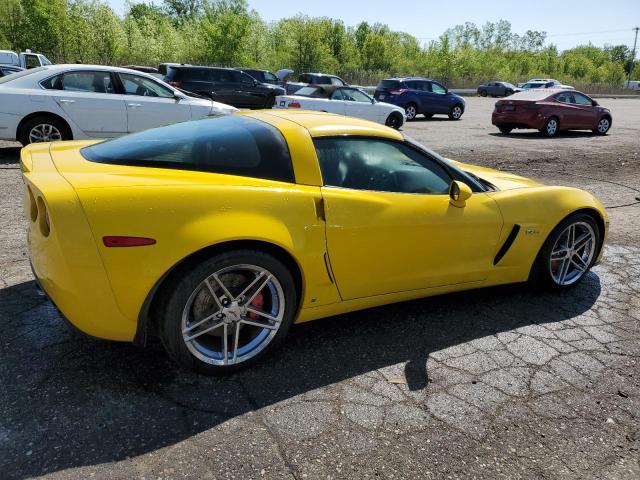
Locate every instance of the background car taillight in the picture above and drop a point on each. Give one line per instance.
(294, 105)
(399, 91)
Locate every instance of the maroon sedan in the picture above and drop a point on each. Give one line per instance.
(550, 111)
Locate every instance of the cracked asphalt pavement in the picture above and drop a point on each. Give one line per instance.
(496, 383)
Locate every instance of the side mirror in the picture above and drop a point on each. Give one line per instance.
(594, 103)
(179, 96)
(459, 193)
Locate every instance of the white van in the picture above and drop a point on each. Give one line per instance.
(26, 59)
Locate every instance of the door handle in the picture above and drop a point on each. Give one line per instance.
(134, 105)
(66, 100)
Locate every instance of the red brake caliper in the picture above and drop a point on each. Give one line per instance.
(257, 303)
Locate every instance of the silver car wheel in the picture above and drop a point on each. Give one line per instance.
(44, 132)
(572, 253)
(603, 125)
(456, 112)
(411, 112)
(552, 127)
(233, 314)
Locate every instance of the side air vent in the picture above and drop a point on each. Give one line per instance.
(507, 244)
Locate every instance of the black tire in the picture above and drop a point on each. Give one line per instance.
(542, 274)
(603, 126)
(456, 112)
(428, 115)
(508, 92)
(270, 102)
(182, 288)
(483, 93)
(394, 120)
(411, 111)
(505, 130)
(548, 130)
(29, 128)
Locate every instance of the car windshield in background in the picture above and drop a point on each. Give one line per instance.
(230, 145)
(15, 76)
(389, 84)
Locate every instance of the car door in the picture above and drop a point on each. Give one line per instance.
(151, 104)
(90, 100)
(359, 104)
(335, 104)
(439, 98)
(585, 111)
(248, 90)
(566, 110)
(389, 224)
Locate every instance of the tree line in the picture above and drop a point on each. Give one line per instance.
(228, 33)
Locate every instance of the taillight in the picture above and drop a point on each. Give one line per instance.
(122, 241)
(176, 83)
(399, 92)
(294, 105)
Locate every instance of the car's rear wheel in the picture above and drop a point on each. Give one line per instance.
(456, 112)
(411, 111)
(551, 127)
(603, 126)
(44, 129)
(568, 253)
(483, 93)
(394, 120)
(227, 311)
(505, 130)
(271, 100)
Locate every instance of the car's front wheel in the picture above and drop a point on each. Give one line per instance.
(551, 127)
(456, 112)
(603, 126)
(483, 93)
(44, 128)
(394, 120)
(228, 311)
(568, 253)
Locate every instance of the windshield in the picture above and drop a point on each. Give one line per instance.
(15, 76)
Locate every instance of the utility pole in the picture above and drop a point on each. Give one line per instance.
(633, 55)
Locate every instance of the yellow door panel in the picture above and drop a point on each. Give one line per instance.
(381, 242)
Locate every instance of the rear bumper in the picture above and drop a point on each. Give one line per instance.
(518, 120)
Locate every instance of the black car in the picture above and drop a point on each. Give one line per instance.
(225, 85)
(9, 69)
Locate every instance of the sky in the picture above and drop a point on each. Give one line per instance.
(568, 23)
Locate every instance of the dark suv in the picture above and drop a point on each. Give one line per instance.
(420, 95)
(225, 85)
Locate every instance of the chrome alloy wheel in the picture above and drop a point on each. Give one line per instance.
(552, 127)
(411, 112)
(603, 125)
(572, 253)
(233, 314)
(456, 112)
(44, 132)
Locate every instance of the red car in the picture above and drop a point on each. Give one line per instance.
(550, 111)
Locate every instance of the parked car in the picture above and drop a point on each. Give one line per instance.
(306, 79)
(420, 95)
(225, 85)
(65, 102)
(551, 111)
(349, 101)
(554, 83)
(26, 59)
(265, 76)
(541, 83)
(632, 84)
(9, 69)
(496, 89)
(236, 232)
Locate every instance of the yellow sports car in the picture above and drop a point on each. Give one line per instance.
(216, 235)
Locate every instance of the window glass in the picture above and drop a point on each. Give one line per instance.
(189, 74)
(336, 81)
(21, 74)
(582, 99)
(246, 79)
(231, 145)
(92, 82)
(564, 97)
(305, 78)
(269, 77)
(31, 61)
(437, 88)
(337, 95)
(144, 87)
(379, 165)
(390, 84)
(308, 92)
(354, 95)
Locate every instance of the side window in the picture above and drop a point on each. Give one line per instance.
(90, 82)
(144, 87)
(304, 78)
(269, 77)
(437, 88)
(379, 165)
(53, 83)
(337, 95)
(246, 79)
(354, 95)
(564, 97)
(31, 61)
(337, 81)
(582, 99)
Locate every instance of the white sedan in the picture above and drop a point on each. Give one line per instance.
(74, 102)
(349, 101)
